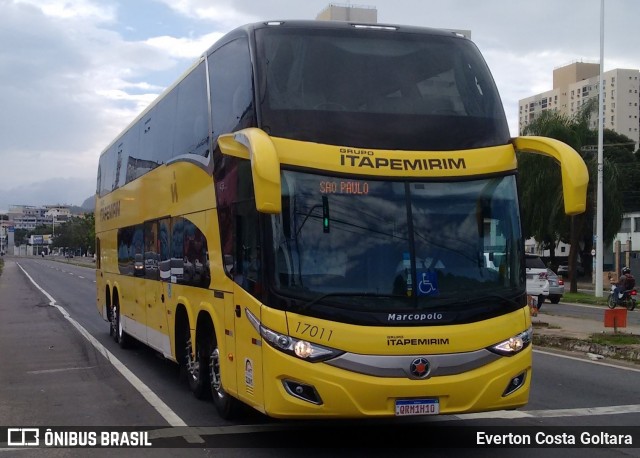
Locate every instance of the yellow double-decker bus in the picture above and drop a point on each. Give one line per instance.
(321, 219)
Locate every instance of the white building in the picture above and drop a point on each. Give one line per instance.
(29, 216)
(347, 12)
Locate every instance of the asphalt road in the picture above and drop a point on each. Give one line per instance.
(66, 371)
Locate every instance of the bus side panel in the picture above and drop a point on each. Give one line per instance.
(108, 263)
(132, 307)
(156, 316)
(249, 351)
(227, 341)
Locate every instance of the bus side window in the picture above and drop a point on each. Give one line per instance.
(192, 126)
(98, 253)
(125, 263)
(176, 264)
(164, 235)
(230, 77)
(151, 253)
(196, 261)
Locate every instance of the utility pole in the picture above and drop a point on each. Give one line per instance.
(599, 225)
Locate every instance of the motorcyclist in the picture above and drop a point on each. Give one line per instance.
(625, 283)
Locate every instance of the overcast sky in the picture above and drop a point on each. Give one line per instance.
(73, 73)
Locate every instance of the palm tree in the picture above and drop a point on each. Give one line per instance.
(541, 190)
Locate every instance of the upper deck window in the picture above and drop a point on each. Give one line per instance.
(377, 89)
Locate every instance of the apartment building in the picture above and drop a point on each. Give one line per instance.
(361, 13)
(348, 12)
(577, 83)
(29, 216)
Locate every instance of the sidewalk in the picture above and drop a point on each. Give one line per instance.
(573, 334)
(576, 328)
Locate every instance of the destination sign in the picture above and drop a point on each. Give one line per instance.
(344, 187)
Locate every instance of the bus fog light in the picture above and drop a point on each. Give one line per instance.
(302, 391)
(515, 383)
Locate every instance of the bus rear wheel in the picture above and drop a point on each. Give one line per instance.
(119, 334)
(113, 324)
(195, 365)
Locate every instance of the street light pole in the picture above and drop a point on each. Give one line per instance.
(599, 228)
(53, 232)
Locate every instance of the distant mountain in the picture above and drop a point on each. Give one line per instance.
(89, 204)
(53, 191)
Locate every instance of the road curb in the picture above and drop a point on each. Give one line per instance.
(621, 352)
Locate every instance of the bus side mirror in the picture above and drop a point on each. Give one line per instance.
(255, 145)
(575, 176)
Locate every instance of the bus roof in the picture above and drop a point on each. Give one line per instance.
(248, 29)
(337, 25)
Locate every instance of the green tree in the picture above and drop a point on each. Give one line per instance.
(77, 233)
(541, 190)
(618, 148)
(20, 236)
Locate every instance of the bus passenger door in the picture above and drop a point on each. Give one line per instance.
(156, 318)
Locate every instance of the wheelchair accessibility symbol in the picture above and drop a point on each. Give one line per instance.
(427, 283)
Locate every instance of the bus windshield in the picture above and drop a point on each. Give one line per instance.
(373, 245)
(377, 89)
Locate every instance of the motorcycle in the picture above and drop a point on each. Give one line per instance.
(628, 299)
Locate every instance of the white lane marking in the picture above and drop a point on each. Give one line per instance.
(50, 371)
(169, 415)
(587, 306)
(586, 411)
(553, 413)
(599, 363)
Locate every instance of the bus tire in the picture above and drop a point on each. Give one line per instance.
(113, 324)
(227, 406)
(120, 336)
(197, 374)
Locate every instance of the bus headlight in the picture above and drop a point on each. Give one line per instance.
(514, 344)
(299, 348)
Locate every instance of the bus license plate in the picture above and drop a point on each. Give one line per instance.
(406, 407)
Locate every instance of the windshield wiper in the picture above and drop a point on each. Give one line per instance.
(347, 294)
(484, 297)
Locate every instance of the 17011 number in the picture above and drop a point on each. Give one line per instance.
(314, 331)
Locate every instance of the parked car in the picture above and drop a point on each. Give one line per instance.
(537, 281)
(563, 269)
(556, 287)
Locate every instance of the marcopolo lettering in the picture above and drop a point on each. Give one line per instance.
(414, 316)
(368, 161)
